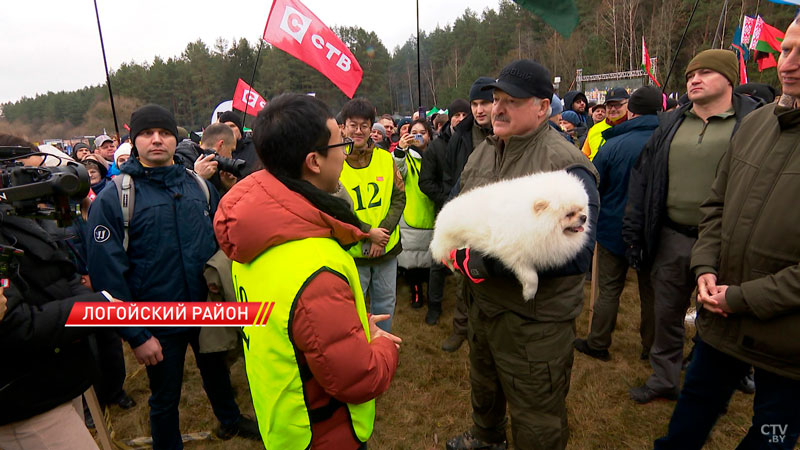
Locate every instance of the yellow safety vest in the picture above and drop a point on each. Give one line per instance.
(279, 275)
(419, 211)
(371, 190)
(595, 139)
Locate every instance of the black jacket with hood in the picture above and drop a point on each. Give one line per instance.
(647, 192)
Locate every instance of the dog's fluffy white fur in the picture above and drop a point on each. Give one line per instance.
(529, 223)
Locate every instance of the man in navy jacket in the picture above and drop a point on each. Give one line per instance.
(170, 240)
(623, 144)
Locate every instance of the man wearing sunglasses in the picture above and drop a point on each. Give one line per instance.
(376, 189)
(616, 113)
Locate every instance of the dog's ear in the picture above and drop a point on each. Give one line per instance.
(540, 206)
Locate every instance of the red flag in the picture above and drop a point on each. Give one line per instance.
(294, 29)
(765, 61)
(742, 67)
(245, 97)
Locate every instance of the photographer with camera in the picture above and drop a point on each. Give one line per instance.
(212, 158)
(47, 366)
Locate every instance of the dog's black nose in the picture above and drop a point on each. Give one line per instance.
(583, 219)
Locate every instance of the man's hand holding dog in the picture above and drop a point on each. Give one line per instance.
(712, 296)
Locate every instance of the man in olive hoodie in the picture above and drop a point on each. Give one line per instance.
(748, 278)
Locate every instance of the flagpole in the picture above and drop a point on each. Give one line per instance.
(105, 64)
(419, 76)
(252, 80)
(680, 44)
(719, 30)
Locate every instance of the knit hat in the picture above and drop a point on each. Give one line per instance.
(230, 116)
(124, 149)
(401, 122)
(524, 78)
(476, 92)
(152, 116)
(571, 117)
(379, 127)
(557, 105)
(77, 147)
(721, 61)
(459, 105)
(646, 100)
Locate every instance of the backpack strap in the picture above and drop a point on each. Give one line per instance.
(202, 183)
(125, 192)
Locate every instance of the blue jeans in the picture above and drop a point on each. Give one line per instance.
(380, 281)
(166, 379)
(710, 381)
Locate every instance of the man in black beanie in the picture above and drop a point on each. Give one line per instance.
(624, 143)
(470, 132)
(245, 149)
(160, 257)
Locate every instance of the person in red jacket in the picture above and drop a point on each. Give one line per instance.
(289, 204)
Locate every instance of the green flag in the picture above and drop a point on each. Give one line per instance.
(562, 15)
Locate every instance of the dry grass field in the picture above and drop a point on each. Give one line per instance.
(429, 400)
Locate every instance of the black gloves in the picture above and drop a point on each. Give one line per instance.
(634, 255)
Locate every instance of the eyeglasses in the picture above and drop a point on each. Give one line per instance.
(364, 127)
(616, 105)
(347, 144)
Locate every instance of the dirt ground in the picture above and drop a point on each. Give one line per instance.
(429, 400)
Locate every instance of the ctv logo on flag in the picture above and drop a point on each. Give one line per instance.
(295, 24)
(289, 23)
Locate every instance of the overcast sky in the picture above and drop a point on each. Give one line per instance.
(53, 45)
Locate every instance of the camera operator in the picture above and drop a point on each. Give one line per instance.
(46, 366)
(218, 141)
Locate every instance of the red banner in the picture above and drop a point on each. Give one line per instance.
(246, 98)
(294, 29)
(168, 314)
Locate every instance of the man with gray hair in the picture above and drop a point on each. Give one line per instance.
(521, 351)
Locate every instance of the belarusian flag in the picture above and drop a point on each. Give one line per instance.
(646, 63)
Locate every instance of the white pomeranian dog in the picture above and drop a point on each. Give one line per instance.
(530, 223)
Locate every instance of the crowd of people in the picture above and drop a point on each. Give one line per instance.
(324, 213)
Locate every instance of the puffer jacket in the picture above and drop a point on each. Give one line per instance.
(416, 241)
(750, 238)
(259, 213)
(171, 238)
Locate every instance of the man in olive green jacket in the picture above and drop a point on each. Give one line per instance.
(521, 351)
(746, 260)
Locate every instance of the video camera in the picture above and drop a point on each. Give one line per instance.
(230, 165)
(40, 191)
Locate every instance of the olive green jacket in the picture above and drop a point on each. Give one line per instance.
(750, 238)
(559, 298)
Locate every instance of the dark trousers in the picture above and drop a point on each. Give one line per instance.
(612, 270)
(166, 379)
(527, 365)
(710, 381)
(112, 366)
(673, 283)
(460, 313)
(438, 274)
(416, 277)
